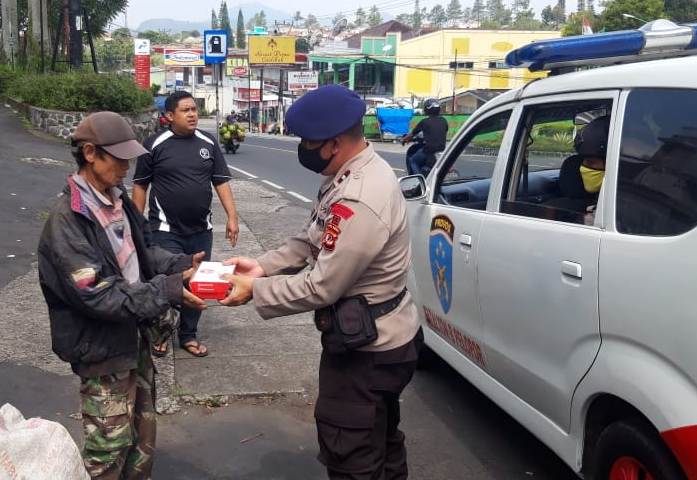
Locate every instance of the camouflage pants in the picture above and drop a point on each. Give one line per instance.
(118, 415)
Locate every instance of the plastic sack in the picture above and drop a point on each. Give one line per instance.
(37, 449)
(394, 120)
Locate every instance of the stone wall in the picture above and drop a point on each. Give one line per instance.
(63, 124)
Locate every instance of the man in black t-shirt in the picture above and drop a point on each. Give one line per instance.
(435, 130)
(182, 165)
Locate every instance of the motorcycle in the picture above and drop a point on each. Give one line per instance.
(232, 134)
(417, 143)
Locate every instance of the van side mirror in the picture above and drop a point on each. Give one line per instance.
(413, 187)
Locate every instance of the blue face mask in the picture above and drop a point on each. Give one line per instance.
(312, 158)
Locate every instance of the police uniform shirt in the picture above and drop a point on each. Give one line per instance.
(356, 242)
(180, 170)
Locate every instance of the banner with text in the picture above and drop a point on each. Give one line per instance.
(271, 50)
(184, 57)
(141, 63)
(306, 80)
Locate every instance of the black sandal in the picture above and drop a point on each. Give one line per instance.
(158, 350)
(193, 347)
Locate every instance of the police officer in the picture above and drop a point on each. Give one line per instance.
(356, 247)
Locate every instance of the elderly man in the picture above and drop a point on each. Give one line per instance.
(356, 245)
(105, 287)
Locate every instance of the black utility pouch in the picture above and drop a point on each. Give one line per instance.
(354, 323)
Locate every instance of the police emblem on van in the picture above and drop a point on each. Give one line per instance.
(205, 153)
(440, 246)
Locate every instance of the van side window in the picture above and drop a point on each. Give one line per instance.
(657, 176)
(465, 179)
(559, 164)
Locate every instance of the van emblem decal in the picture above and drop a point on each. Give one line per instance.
(440, 246)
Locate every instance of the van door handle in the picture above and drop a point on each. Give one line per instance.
(466, 240)
(572, 269)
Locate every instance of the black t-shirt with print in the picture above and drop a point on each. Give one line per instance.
(180, 171)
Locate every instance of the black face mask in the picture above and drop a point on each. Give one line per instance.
(312, 158)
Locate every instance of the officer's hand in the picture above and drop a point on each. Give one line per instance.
(245, 266)
(192, 301)
(241, 292)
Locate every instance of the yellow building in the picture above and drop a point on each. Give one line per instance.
(436, 64)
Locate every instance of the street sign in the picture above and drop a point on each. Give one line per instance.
(215, 45)
(141, 46)
(305, 80)
(141, 62)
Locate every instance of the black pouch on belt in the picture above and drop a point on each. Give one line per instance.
(346, 325)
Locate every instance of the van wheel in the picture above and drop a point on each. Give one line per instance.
(631, 450)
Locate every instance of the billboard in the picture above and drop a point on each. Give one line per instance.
(236, 67)
(184, 57)
(306, 80)
(271, 50)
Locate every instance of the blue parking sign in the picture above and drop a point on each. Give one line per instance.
(215, 46)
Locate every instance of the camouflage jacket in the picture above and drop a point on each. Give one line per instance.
(94, 312)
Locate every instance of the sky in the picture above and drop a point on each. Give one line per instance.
(199, 10)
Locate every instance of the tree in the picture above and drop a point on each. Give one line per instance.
(682, 11)
(302, 45)
(612, 18)
(524, 17)
(581, 6)
(498, 14)
(157, 38)
(224, 22)
(574, 23)
(115, 54)
(311, 21)
(547, 16)
(214, 20)
(360, 17)
(258, 20)
(438, 17)
(454, 12)
(479, 12)
(374, 17)
(241, 37)
(404, 18)
(121, 34)
(416, 16)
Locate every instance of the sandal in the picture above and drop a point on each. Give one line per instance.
(160, 350)
(195, 348)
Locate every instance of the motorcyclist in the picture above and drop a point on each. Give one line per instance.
(434, 129)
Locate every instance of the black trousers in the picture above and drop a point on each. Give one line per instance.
(357, 412)
(199, 242)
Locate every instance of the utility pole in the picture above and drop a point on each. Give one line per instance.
(9, 27)
(454, 82)
(74, 13)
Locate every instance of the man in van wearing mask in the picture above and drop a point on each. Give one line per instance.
(356, 247)
(591, 145)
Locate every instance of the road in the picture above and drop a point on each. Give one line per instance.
(273, 161)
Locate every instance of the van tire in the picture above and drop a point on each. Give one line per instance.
(633, 444)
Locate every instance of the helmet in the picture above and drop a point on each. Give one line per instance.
(592, 140)
(432, 106)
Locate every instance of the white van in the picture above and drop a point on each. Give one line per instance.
(568, 296)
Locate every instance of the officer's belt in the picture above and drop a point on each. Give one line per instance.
(381, 309)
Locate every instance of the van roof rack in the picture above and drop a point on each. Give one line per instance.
(655, 40)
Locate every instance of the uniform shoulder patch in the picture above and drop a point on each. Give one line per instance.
(342, 210)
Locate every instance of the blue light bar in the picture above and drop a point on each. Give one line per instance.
(660, 37)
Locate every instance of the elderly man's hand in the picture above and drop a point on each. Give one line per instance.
(241, 292)
(192, 301)
(196, 260)
(245, 266)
